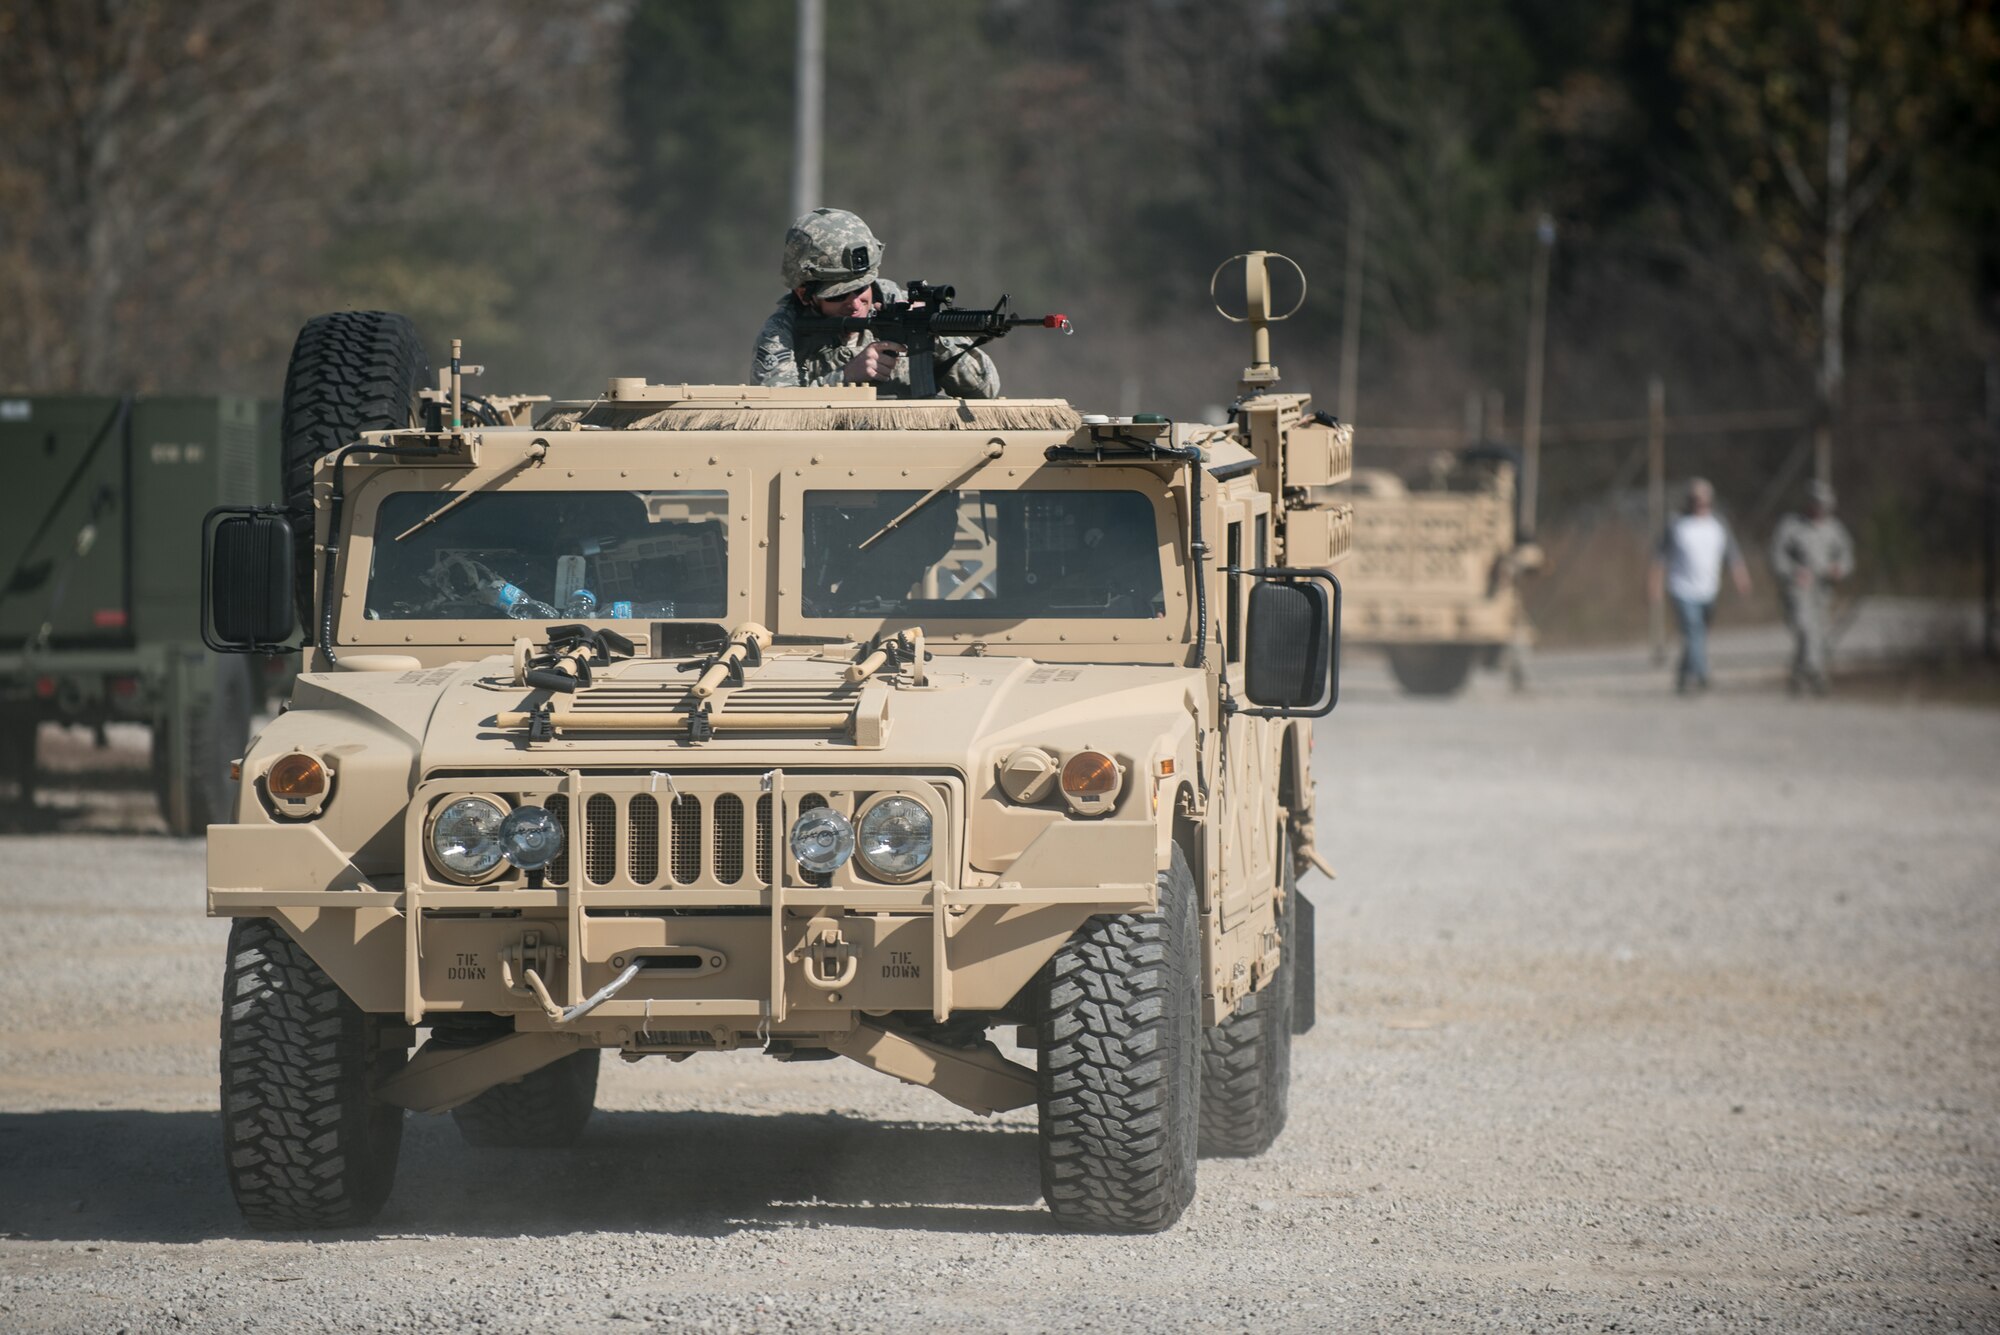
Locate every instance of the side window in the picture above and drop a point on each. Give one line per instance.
(1233, 628)
(1263, 557)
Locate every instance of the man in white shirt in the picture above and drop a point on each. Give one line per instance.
(1688, 569)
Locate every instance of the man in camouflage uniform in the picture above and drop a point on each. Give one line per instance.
(833, 267)
(1810, 553)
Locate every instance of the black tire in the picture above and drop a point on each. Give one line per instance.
(1119, 1079)
(544, 1109)
(20, 733)
(351, 371)
(1304, 962)
(218, 721)
(1246, 1061)
(1431, 669)
(307, 1144)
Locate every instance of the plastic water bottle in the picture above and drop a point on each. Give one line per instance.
(515, 602)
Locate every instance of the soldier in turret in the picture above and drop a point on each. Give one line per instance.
(833, 265)
(1811, 553)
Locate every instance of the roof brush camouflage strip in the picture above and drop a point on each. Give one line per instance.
(921, 415)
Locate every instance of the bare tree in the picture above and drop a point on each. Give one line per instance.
(1810, 117)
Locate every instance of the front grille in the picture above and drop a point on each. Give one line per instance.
(728, 839)
(700, 843)
(687, 840)
(764, 838)
(645, 838)
(600, 838)
(651, 831)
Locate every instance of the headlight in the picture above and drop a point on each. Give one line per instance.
(894, 838)
(465, 837)
(822, 840)
(530, 837)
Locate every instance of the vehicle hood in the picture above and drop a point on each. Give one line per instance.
(788, 712)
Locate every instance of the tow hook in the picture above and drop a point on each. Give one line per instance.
(521, 969)
(831, 962)
(531, 953)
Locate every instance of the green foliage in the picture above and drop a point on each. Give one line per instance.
(1424, 110)
(705, 100)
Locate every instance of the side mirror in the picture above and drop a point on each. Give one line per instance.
(246, 580)
(1291, 654)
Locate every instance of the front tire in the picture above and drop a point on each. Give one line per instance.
(544, 1109)
(1246, 1061)
(1119, 1086)
(308, 1144)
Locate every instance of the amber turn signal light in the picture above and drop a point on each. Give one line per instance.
(1090, 772)
(296, 776)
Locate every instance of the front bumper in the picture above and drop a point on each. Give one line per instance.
(735, 944)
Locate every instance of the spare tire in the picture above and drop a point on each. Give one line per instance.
(351, 371)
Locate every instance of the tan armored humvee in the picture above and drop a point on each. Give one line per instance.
(702, 718)
(1435, 573)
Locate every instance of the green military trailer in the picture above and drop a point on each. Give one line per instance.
(100, 589)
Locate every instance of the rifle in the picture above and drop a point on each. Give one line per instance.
(924, 316)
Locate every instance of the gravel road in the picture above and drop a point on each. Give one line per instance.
(1636, 1014)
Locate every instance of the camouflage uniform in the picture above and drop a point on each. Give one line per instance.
(784, 357)
(1822, 550)
(831, 253)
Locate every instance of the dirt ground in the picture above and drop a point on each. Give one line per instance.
(1637, 1013)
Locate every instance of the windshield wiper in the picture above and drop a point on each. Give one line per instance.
(994, 449)
(535, 454)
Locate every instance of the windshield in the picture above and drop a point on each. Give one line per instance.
(1001, 554)
(547, 555)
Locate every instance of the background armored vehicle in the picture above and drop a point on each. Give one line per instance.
(699, 718)
(1436, 562)
(99, 584)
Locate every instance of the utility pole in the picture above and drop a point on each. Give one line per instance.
(1989, 639)
(808, 106)
(1656, 497)
(1531, 414)
(1832, 378)
(1350, 319)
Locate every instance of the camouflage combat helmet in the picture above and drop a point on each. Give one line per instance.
(831, 253)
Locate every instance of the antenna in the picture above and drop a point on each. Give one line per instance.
(1260, 374)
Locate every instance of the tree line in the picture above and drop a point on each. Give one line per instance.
(1767, 203)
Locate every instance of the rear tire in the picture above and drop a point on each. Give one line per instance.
(1431, 669)
(544, 1109)
(20, 733)
(308, 1144)
(218, 722)
(1246, 1061)
(1119, 1076)
(351, 371)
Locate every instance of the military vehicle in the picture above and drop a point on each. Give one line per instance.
(702, 718)
(100, 584)
(1436, 568)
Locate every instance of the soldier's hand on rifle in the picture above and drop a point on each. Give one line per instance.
(877, 361)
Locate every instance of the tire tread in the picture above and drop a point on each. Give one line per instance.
(306, 1144)
(1119, 1028)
